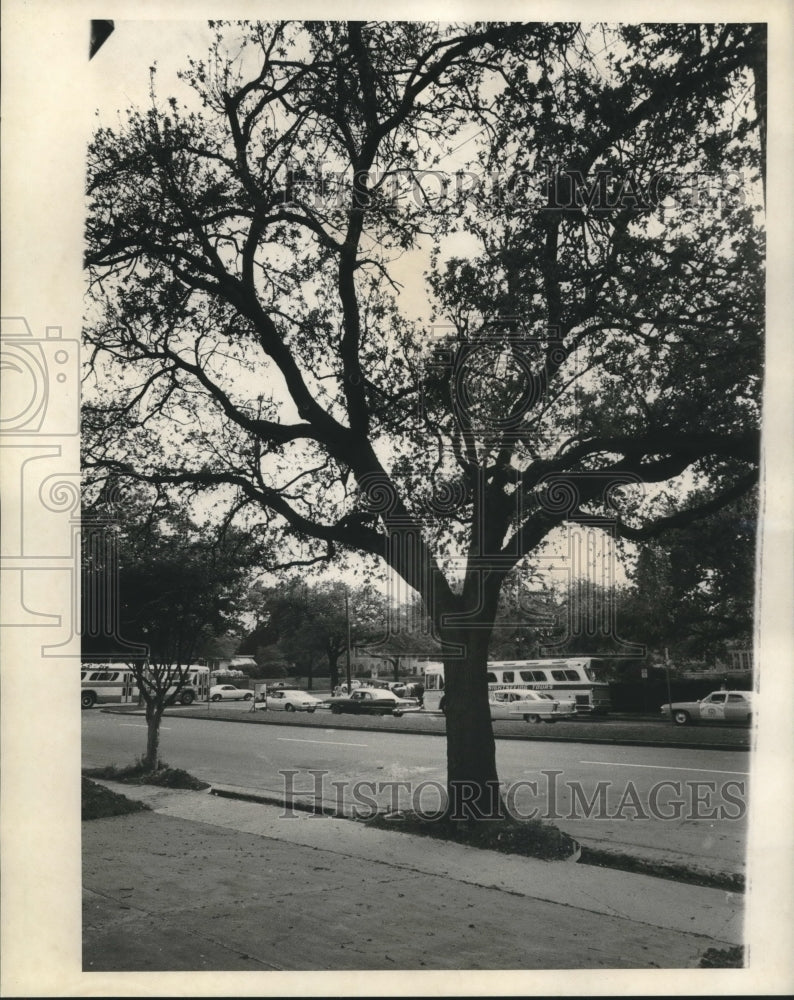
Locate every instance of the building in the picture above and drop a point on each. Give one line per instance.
(370, 665)
(740, 657)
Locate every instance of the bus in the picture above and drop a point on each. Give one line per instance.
(575, 678)
(114, 684)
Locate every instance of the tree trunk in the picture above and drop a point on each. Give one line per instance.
(152, 759)
(472, 781)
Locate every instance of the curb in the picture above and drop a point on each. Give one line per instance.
(316, 808)
(621, 861)
(595, 740)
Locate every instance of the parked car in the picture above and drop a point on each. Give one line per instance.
(372, 701)
(719, 706)
(342, 688)
(532, 706)
(290, 700)
(228, 692)
(396, 687)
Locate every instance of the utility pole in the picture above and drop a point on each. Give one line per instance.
(667, 675)
(347, 619)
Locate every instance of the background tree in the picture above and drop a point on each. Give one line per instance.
(221, 647)
(530, 615)
(597, 355)
(307, 623)
(410, 637)
(693, 592)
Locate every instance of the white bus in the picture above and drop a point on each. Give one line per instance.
(574, 678)
(114, 684)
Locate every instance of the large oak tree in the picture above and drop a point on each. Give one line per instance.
(597, 349)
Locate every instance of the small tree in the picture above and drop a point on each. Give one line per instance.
(178, 587)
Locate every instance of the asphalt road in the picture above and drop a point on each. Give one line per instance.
(671, 804)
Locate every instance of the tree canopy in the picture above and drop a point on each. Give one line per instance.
(694, 593)
(590, 198)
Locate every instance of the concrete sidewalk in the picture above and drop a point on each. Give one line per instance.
(212, 883)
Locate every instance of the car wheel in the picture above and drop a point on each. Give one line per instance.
(336, 710)
(87, 699)
(681, 718)
(188, 698)
(247, 697)
(215, 697)
(310, 710)
(289, 708)
(531, 718)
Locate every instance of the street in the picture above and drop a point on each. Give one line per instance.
(670, 804)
